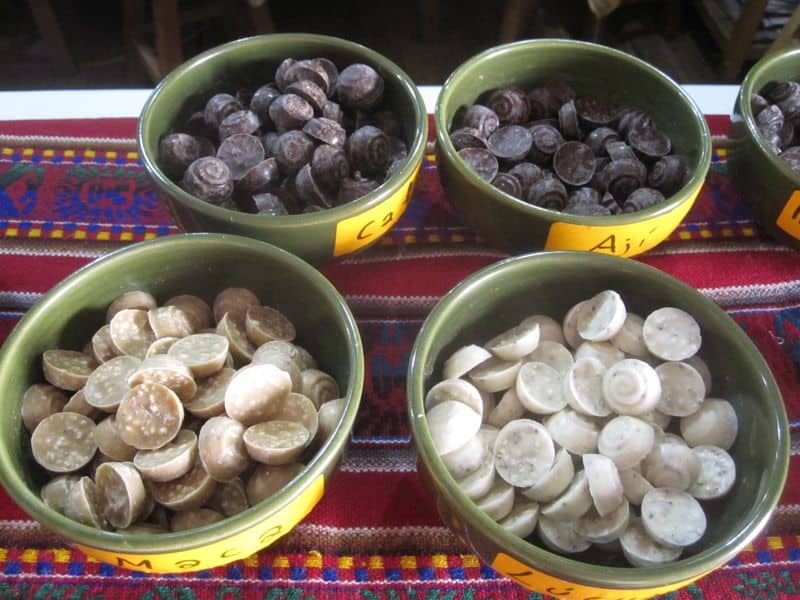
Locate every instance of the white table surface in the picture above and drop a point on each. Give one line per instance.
(88, 104)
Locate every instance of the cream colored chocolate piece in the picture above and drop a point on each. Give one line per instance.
(77, 404)
(549, 329)
(642, 550)
(516, 342)
(458, 390)
(604, 484)
(188, 491)
(672, 517)
(328, 417)
(171, 461)
(63, 442)
(465, 460)
(464, 360)
(634, 485)
(508, 409)
(229, 498)
(209, 400)
(626, 440)
(276, 442)
(631, 387)
(255, 393)
(120, 492)
(498, 502)
(495, 375)
(169, 321)
(280, 347)
(521, 521)
(671, 334)
(629, 338)
(184, 520)
(570, 324)
(55, 492)
(109, 442)
(108, 383)
(540, 388)
(197, 309)
(222, 449)
(553, 483)
(717, 473)
(560, 536)
(682, 389)
(160, 346)
(489, 403)
(573, 431)
(602, 351)
(234, 300)
(264, 324)
(300, 409)
(40, 401)
(135, 299)
(477, 484)
(102, 347)
(267, 480)
(603, 317)
(572, 503)
(583, 387)
(82, 504)
(451, 425)
(67, 369)
(702, 368)
(303, 358)
(131, 332)
(523, 452)
(167, 371)
(671, 465)
(319, 386)
(285, 363)
(603, 529)
(149, 416)
(553, 354)
(232, 328)
(713, 424)
(203, 353)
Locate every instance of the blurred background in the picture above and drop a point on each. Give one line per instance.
(55, 44)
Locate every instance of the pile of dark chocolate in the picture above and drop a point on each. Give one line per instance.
(776, 110)
(311, 139)
(579, 155)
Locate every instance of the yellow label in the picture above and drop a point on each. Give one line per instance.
(789, 219)
(537, 581)
(618, 240)
(235, 547)
(364, 228)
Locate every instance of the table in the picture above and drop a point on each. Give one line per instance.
(72, 189)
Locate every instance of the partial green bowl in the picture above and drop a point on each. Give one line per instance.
(516, 226)
(766, 182)
(500, 296)
(200, 264)
(317, 237)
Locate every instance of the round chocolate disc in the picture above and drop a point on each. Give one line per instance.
(641, 199)
(568, 121)
(480, 160)
(509, 184)
(467, 137)
(595, 112)
(548, 192)
(512, 142)
(574, 163)
(545, 140)
(668, 174)
(510, 105)
(481, 118)
(792, 157)
(650, 142)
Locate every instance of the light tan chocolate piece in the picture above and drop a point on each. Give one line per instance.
(264, 324)
(171, 461)
(203, 353)
(67, 369)
(108, 383)
(299, 408)
(229, 498)
(149, 416)
(209, 400)
(83, 502)
(136, 299)
(167, 371)
(328, 417)
(39, 401)
(184, 520)
(234, 300)
(254, 393)
(222, 449)
(267, 480)
(131, 332)
(77, 404)
(285, 363)
(109, 442)
(169, 321)
(102, 346)
(276, 442)
(319, 386)
(232, 328)
(63, 442)
(188, 491)
(197, 309)
(301, 357)
(55, 492)
(120, 492)
(160, 346)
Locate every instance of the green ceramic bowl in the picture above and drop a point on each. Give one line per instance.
(513, 224)
(201, 264)
(765, 181)
(501, 295)
(317, 237)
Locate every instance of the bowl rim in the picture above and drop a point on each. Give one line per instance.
(444, 144)
(743, 104)
(165, 543)
(329, 216)
(549, 562)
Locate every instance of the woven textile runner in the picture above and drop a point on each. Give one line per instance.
(71, 191)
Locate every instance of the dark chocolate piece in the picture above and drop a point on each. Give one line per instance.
(326, 131)
(548, 192)
(240, 152)
(511, 142)
(360, 86)
(368, 151)
(509, 184)
(510, 105)
(176, 152)
(573, 163)
(290, 111)
(293, 149)
(480, 160)
(241, 121)
(209, 179)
